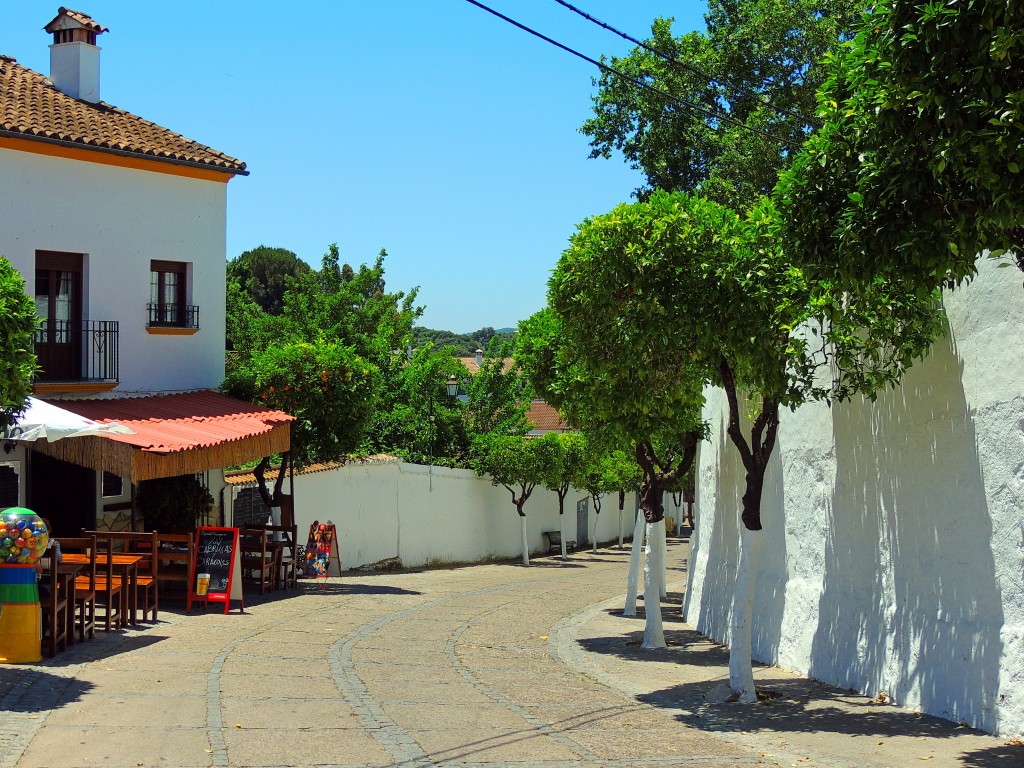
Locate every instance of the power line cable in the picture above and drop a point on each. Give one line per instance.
(689, 67)
(639, 83)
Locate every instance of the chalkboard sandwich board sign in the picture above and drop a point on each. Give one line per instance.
(216, 574)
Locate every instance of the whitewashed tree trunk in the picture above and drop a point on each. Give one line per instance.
(526, 541)
(660, 537)
(634, 566)
(654, 568)
(741, 666)
(620, 527)
(561, 528)
(593, 535)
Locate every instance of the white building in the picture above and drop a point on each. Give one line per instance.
(118, 227)
(893, 554)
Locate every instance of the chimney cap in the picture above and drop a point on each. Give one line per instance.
(69, 19)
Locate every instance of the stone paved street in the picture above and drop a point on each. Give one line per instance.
(494, 665)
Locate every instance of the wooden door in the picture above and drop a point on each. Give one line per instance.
(59, 306)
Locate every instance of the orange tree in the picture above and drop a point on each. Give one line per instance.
(326, 386)
(660, 298)
(917, 169)
(17, 356)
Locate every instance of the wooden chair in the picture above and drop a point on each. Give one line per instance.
(175, 553)
(85, 585)
(53, 600)
(259, 563)
(109, 585)
(282, 540)
(147, 587)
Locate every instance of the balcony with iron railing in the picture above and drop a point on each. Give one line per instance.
(76, 355)
(172, 318)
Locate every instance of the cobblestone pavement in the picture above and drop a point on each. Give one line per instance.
(495, 665)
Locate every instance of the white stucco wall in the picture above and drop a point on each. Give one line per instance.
(893, 557)
(433, 515)
(121, 219)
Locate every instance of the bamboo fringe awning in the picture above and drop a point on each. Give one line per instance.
(174, 434)
(106, 455)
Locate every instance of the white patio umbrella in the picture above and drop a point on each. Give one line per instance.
(42, 419)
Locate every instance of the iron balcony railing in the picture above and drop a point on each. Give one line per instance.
(77, 351)
(172, 315)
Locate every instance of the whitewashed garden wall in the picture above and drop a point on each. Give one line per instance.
(434, 515)
(893, 557)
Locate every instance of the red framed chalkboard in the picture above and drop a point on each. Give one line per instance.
(216, 575)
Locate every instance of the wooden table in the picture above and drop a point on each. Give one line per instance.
(127, 566)
(66, 574)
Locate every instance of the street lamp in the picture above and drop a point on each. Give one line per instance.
(452, 390)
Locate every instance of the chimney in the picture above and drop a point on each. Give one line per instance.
(74, 55)
(479, 358)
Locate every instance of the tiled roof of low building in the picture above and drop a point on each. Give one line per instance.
(31, 107)
(248, 477)
(544, 417)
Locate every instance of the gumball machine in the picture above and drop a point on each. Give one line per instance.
(23, 540)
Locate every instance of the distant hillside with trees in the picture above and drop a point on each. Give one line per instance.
(465, 344)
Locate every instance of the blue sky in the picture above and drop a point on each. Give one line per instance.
(426, 127)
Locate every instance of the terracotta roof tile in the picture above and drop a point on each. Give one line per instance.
(545, 418)
(31, 107)
(179, 422)
(82, 18)
(246, 477)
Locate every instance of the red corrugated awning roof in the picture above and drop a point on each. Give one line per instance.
(174, 434)
(180, 422)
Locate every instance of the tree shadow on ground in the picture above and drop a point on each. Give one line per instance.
(35, 690)
(355, 588)
(1002, 756)
(685, 646)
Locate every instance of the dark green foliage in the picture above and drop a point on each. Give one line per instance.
(17, 354)
(416, 391)
(462, 344)
(328, 388)
(919, 165)
(515, 463)
(757, 51)
(265, 273)
(172, 504)
(499, 395)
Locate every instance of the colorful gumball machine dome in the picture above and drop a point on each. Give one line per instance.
(23, 536)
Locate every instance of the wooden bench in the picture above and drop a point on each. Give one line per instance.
(555, 543)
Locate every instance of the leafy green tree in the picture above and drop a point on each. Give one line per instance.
(709, 294)
(17, 352)
(515, 463)
(598, 473)
(358, 311)
(498, 395)
(338, 320)
(917, 168)
(326, 386)
(589, 356)
(463, 344)
(566, 458)
(415, 418)
(265, 274)
(753, 74)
